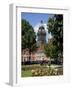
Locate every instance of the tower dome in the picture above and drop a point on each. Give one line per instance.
(41, 30)
(41, 34)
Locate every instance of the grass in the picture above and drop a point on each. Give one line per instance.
(26, 69)
(26, 73)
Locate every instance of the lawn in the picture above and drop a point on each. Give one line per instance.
(42, 70)
(26, 69)
(26, 73)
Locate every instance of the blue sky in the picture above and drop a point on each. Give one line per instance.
(34, 18)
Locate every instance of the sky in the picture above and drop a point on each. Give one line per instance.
(35, 20)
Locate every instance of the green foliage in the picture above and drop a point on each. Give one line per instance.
(55, 26)
(51, 50)
(28, 36)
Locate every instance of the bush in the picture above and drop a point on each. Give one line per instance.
(47, 72)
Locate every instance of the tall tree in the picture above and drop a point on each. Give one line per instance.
(55, 27)
(28, 37)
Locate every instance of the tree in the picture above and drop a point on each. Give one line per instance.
(55, 27)
(50, 50)
(28, 37)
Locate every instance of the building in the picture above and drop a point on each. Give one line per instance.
(41, 41)
(41, 35)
